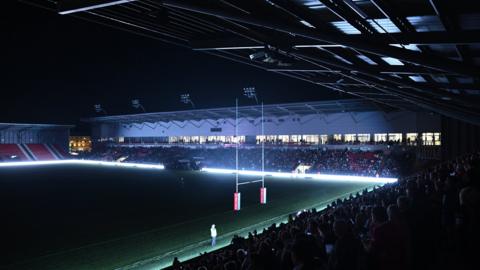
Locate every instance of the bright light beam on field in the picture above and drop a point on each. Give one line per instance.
(82, 161)
(326, 177)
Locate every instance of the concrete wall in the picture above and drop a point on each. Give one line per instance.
(343, 123)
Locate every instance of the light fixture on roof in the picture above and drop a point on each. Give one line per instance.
(411, 47)
(367, 59)
(383, 25)
(307, 24)
(185, 98)
(99, 109)
(250, 92)
(137, 105)
(258, 56)
(392, 61)
(346, 27)
(417, 78)
(94, 6)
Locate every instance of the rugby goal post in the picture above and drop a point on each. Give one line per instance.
(263, 190)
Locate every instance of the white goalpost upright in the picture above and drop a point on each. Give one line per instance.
(236, 195)
(263, 189)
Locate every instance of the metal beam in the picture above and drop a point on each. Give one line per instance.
(301, 12)
(350, 13)
(389, 12)
(418, 38)
(405, 55)
(417, 97)
(74, 6)
(450, 22)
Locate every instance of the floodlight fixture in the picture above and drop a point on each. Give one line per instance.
(250, 92)
(272, 57)
(137, 105)
(185, 98)
(99, 109)
(258, 56)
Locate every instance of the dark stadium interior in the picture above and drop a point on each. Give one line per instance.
(146, 134)
(105, 63)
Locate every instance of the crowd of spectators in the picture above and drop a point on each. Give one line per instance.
(428, 221)
(320, 160)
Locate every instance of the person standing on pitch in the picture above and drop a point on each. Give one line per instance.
(213, 234)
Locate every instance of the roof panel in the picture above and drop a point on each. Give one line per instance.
(426, 23)
(392, 61)
(277, 110)
(426, 51)
(346, 28)
(384, 25)
(417, 78)
(367, 59)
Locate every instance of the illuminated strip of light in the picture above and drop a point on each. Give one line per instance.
(109, 3)
(327, 177)
(82, 161)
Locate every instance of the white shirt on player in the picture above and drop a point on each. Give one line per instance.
(213, 231)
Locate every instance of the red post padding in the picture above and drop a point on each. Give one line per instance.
(236, 201)
(263, 195)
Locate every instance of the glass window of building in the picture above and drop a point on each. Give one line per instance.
(241, 139)
(184, 139)
(173, 139)
(363, 138)
(350, 137)
(337, 137)
(271, 138)
(295, 138)
(380, 137)
(311, 139)
(427, 138)
(437, 138)
(411, 138)
(283, 138)
(121, 139)
(260, 138)
(431, 138)
(229, 139)
(194, 139)
(395, 137)
(323, 139)
(80, 143)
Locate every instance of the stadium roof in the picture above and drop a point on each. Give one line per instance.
(270, 110)
(393, 52)
(20, 126)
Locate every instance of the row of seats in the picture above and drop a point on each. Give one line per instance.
(28, 152)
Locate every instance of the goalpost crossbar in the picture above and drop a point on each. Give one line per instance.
(250, 182)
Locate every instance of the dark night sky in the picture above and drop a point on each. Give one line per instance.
(54, 68)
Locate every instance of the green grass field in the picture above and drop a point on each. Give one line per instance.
(86, 217)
